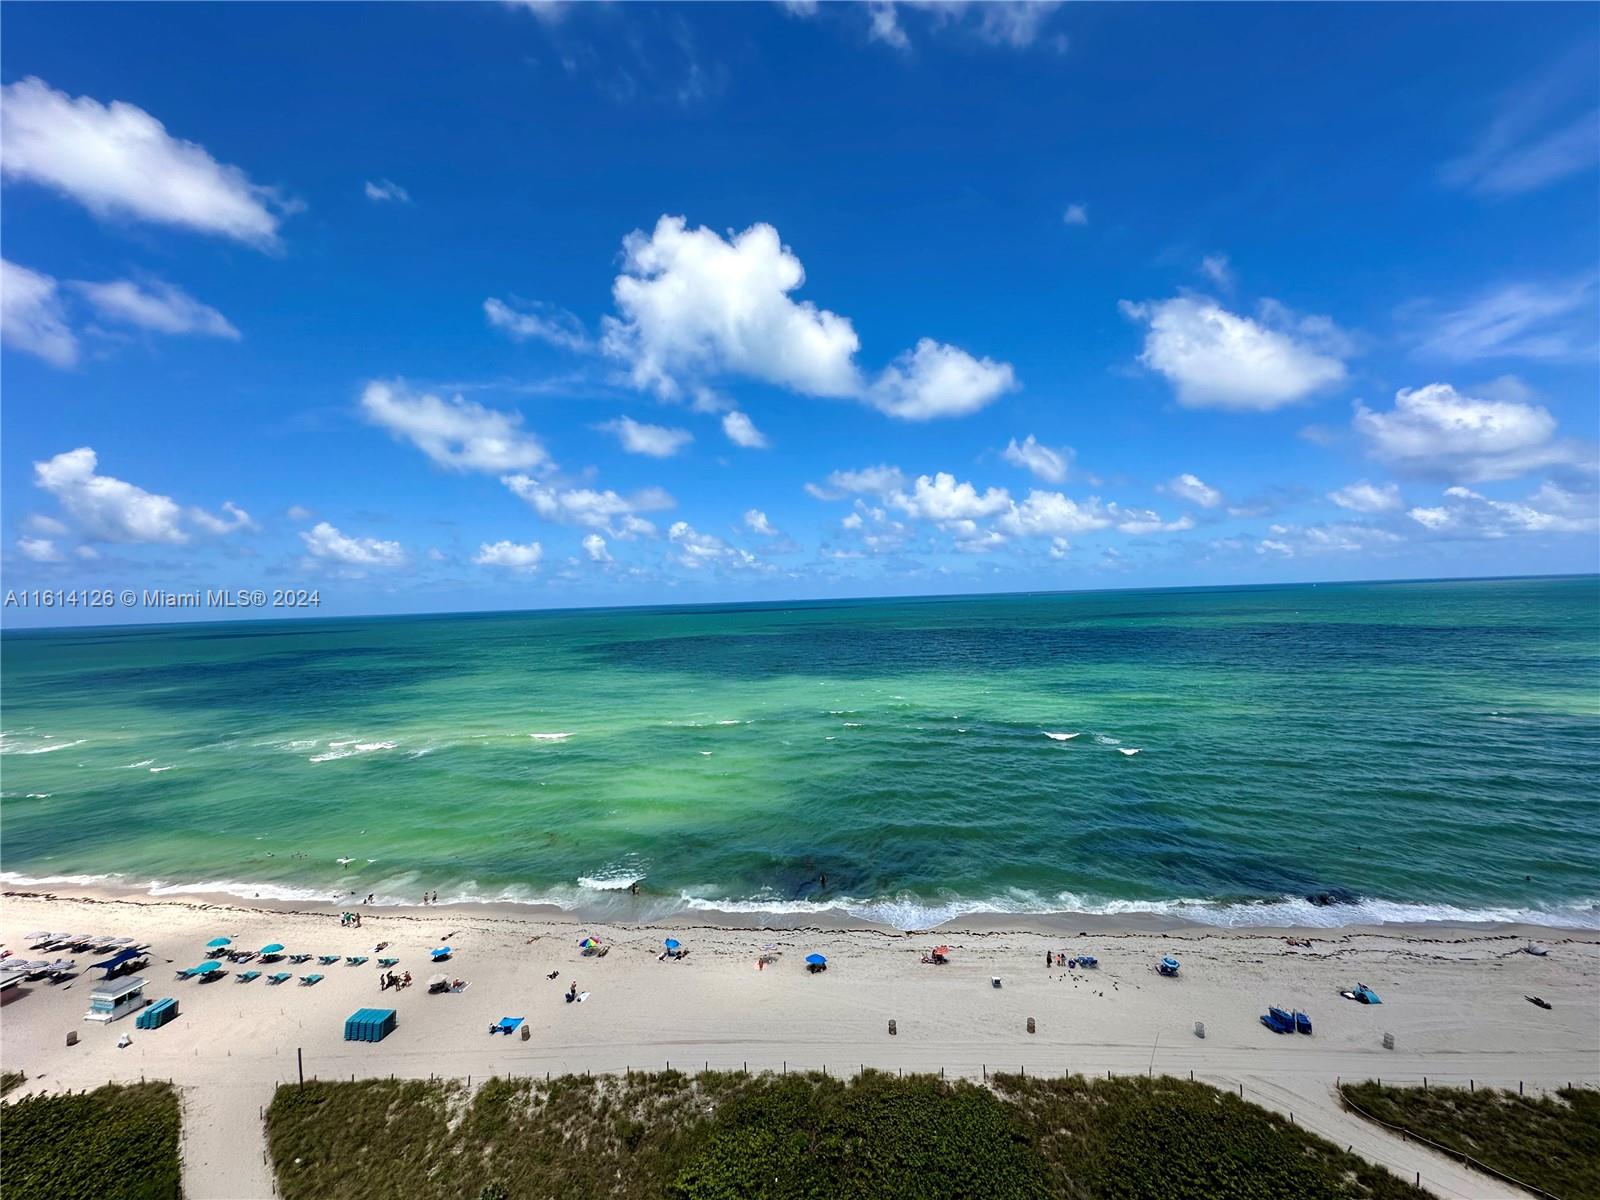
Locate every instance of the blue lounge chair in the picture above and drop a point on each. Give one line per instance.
(1084, 960)
(355, 960)
(186, 972)
(1302, 1023)
(1278, 1021)
(247, 976)
(280, 977)
(327, 960)
(308, 980)
(387, 962)
(1366, 995)
(297, 959)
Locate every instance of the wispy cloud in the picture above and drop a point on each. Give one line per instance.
(1542, 133)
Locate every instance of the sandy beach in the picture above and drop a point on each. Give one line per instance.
(1452, 997)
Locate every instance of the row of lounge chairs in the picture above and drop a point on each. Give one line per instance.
(81, 942)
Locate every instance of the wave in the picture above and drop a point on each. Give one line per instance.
(49, 747)
(1129, 752)
(614, 877)
(141, 763)
(158, 770)
(1061, 737)
(852, 724)
(549, 737)
(1102, 739)
(346, 749)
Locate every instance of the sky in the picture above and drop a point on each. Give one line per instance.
(480, 306)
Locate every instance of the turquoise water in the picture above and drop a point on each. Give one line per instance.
(1414, 751)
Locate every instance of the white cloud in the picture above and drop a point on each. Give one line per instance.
(106, 509)
(1519, 320)
(604, 510)
(1218, 269)
(800, 8)
(756, 521)
(595, 547)
(657, 441)
(1269, 545)
(298, 512)
(550, 11)
(884, 25)
(1436, 431)
(46, 526)
(1365, 497)
(1470, 514)
(514, 556)
(455, 433)
(160, 306)
(692, 304)
(1051, 514)
(40, 550)
(1217, 359)
(1540, 135)
(1075, 214)
(942, 498)
(387, 191)
(325, 542)
(546, 323)
(1048, 463)
(235, 519)
(1333, 538)
(31, 315)
(1140, 521)
(935, 380)
(119, 161)
(696, 550)
(880, 480)
(742, 431)
(1189, 487)
(1012, 23)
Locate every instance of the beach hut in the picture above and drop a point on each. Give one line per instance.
(369, 1025)
(114, 999)
(157, 1014)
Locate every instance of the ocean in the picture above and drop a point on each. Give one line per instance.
(1395, 751)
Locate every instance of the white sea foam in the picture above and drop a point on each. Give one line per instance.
(158, 770)
(1061, 737)
(141, 763)
(705, 754)
(852, 724)
(346, 749)
(1129, 752)
(1102, 739)
(730, 722)
(49, 747)
(549, 737)
(614, 877)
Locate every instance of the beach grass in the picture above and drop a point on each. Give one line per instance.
(1551, 1142)
(120, 1139)
(715, 1135)
(10, 1080)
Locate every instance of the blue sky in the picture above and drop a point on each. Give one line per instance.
(481, 306)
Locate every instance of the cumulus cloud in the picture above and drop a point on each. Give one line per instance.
(656, 441)
(105, 509)
(41, 550)
(158, 306)
(1015, 24)
(1552, 509)
(742, 431)
(1218, 359)
(1075, 214)
(119, 161)
(1049, 463)
(880, 479)
(387, 191)
(1436, 431)
(1291, 541)
(1218, 269)
(32, 317)
(234, 518)
(327, 544)
(595, 547)
(692, 304)
(538, 322)
(455, 433)
(1519, 320)
(1191, 488)
(942, 497)
(697, 550)
(1365, 497)
(513, 556)
(756, 521)
(607, 511)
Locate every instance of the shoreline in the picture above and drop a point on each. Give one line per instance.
(823, 920)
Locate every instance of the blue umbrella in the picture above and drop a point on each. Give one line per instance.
(218, 943)
(272, 948)
(206, 968)
(815, 960)
(441, 952)
(672, 943)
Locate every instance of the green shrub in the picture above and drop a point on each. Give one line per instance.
(117, 1140)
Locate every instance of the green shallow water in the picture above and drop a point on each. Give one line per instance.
(1418, 751)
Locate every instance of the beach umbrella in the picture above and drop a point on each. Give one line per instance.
(441, 952)
(672, 943)
(218, 943)
(588, 943)
(272, 948)
(207, 967)
(941, 949)
(816, 960)
(436, 980)
(37, 937)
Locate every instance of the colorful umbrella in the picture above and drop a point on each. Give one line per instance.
(588, 943)
(816, 960)
(672, 943)
(218, 943)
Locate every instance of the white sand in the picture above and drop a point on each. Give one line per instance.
(1452, 998)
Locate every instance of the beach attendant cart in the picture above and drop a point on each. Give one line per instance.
(369, 1025)
(157, 1015)
(115, 998)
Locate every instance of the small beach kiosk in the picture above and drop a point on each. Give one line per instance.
(369, 1025)
(115, 998)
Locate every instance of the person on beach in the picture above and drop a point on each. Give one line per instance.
(633, 888)
(572, 992)
(435, 899)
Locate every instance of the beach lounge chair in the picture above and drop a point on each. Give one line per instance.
(297, 959)
(355, 960)
(308, 980)
(387, 962)
(1302, 1023)
(1278, 1021)
(1087, 960)
(506, 1025)
(247, 976)
(279, 977)
(187, 972)
(327, 960)
(442, 954)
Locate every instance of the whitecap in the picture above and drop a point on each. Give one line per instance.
(48, 749)
(339, 749)
(1128, 752)
(705, 754)
(1061, 737)
(852, 724)
(549, 737)
(344, 862)
(158, 770)
(141, 763)
(1102, 739)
